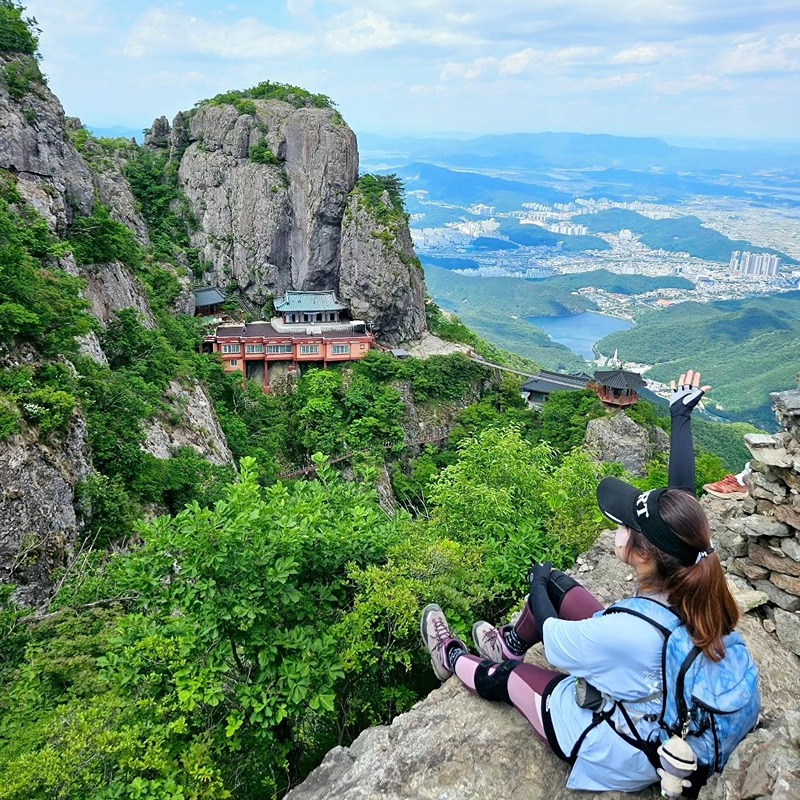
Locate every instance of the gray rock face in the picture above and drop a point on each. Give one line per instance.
(279, 222)
(51, 174)
(619, 438)
(455, 745)
(380, 276)
(199, 427)
(38, 525)
(269, 226)
(112, 287)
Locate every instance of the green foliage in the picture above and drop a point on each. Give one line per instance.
(516, 501)
(261, 154)
(21, 76)
(9, 418)
(18, 34)
(38, 303)
(566, 415)
(372, 191)
(154, 182)
(107, 510)
(48, 408)
(450, 328)
(100, 239)
(220, 676)
(747, 349)
(267, 90)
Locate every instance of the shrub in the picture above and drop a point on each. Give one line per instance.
(9, 418)
(261, 154)
(100, 239)
(18, 34)
(21, 76)
(48, 408)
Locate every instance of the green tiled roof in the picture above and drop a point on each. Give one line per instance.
(308, 301)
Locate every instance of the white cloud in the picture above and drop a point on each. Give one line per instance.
(643, 54)
(173, 34)
(763, 55)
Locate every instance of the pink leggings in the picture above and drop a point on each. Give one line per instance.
(525, 683)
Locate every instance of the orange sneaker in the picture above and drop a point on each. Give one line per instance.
(728, 487)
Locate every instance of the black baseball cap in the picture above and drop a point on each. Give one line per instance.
(626, 505)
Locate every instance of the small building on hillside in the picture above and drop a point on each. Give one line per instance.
(309, 307)
(537, 388)
(617, 387)
(266, 351)
(208, 301)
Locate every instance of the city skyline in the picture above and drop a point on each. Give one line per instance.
(696, 69)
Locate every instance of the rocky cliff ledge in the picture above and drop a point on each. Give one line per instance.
(379, 269)
(455, 746)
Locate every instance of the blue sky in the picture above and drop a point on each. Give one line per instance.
(719, 68)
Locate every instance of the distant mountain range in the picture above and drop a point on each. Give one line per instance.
(555, 167)
(576, 151)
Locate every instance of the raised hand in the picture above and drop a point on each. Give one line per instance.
(686, 395)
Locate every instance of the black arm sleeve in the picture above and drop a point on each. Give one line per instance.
(681, 454)
(540, 603)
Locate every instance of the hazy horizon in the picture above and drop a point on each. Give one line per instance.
(699, 68)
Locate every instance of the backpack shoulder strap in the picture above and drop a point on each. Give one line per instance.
(664, 618)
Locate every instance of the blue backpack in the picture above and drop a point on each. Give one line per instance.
(712, 705)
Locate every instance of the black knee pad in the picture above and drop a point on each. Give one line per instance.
(558, 585)
(494, 686)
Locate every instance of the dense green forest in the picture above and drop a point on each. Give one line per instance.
(748, 345)
(680, 235)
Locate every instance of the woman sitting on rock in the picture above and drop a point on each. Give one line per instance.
(611, 660)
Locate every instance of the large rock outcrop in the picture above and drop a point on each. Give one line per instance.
(38, 524)
(270, 222)
(51, 175)
(197, 428)
(273, 192)
(618, 438)
(380, 273)
(455, 745)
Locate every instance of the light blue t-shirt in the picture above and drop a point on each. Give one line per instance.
(620, 655)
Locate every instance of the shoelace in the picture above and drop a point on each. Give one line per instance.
(441, 632)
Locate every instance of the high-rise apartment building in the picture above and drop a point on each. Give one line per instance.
(747, 263)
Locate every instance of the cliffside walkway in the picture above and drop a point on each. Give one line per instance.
(479, 360)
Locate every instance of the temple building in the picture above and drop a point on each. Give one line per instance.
(617, 387)
(314, 334)
(208, 301)
(309, 307)
(538, 387)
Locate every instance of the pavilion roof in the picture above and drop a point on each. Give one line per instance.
(619, 379)
(308, 301)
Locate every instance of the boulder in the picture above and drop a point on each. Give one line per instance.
(618, 438)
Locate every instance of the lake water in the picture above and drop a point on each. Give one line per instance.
(580, 331)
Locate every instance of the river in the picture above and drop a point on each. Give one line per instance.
(580, 332)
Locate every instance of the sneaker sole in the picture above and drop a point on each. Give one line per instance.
(728, 495)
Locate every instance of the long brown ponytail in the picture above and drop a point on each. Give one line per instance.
(699, 592)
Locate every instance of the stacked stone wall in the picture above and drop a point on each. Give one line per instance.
(768, 525)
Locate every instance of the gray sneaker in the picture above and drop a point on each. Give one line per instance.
(490, 642)
(437, 637)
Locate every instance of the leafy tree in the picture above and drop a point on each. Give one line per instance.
(18, 34)
(566, 415)
(100, 239)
